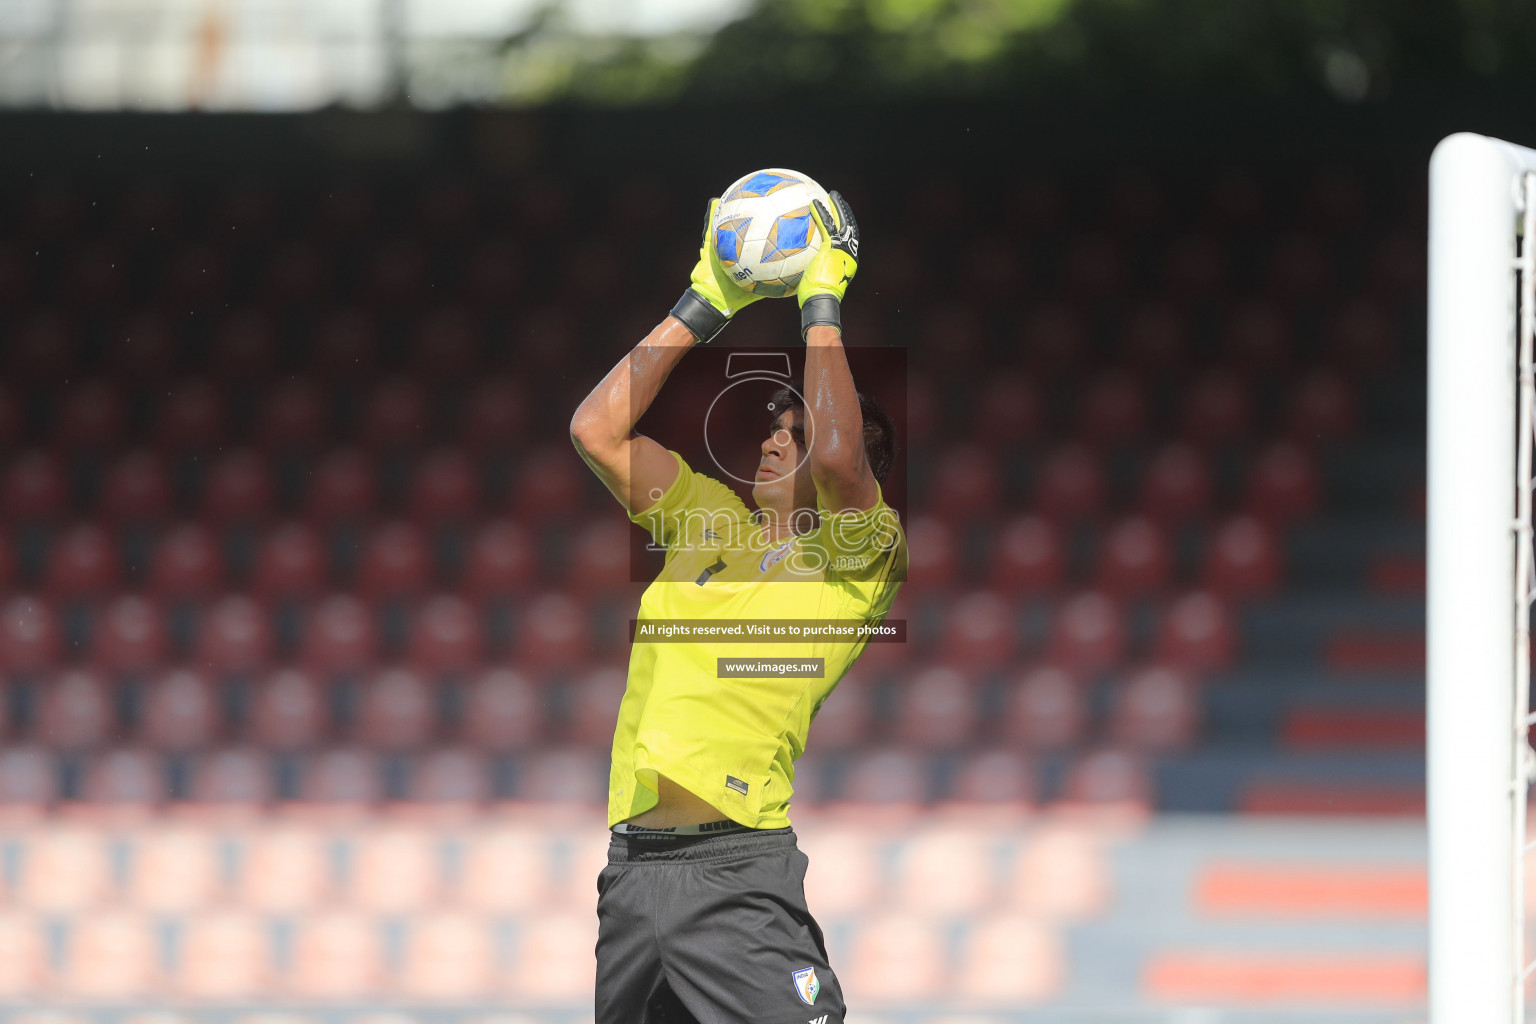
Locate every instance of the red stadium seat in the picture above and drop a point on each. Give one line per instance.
(338, 955)
(980, 631)
(932, 553)
(11, 416)
(43, 349)
(1242, 559)
(339, 635)
(896, 960)
(290, 562)
(7, 564)
(449, 956)
(396, 561)
(125, 777)
(500, 561)
(600, 556)
(1258, 339)
(64, 870)
(186, 563)
(846, 878)
(1176, 485)
(396, 273)
(238, 488)
(36, 489)
(345, 343)
(1321, 408)
(195, 275)
(342, 776)
(173, 870)
(342, 487)
(1154, 338)
(495, 415)
(445, 635)
(111, 956)
(502, 710)
(1070, 484)
(1196, 634)
(1155, 710)
(74, 712)
(550, 486)
(1028, 558)
(445, 487)
(1298, 267)
(1109, 777)
(564, 776)
(180, 712)
(297, 274)
(293, 414)
(136, 489)
(233, 776)
(1113, 411)
(446, 345)
(845, 718)
(553, 630)
(24, 959)
(451, 776)
(397, 710)
(29, 779)
(592, 710)
(1282, 485)
(1010, 412)
(83, 561)
(244, 347)
(394, 870)
(944, 873)
(30, 635)
(506, 869)
(394, 414)
(553, 964)
(284, 869)
(1046, 709)
(129, 635)
(448, 207)
(1095, 265)
(895, 775)
(965, 484)
(90, 415)
(226, 957)
(992, 778)
(1134, 559)
(1217, 408)
(1088, 633)
(234, 636)
(289, 711)
(1008, 961)
(1360, 338)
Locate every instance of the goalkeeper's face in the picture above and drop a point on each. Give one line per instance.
(783, 481)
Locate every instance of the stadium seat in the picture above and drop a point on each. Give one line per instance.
(502, 710)
(1282, 485)
(846, 874)
(195, 275)
(30, 635)
(284, 869)
(592, 707)
(43, 347)
(63, 870)
(396, 710)
(1298, 267)
(128, 635)
(289, 710)
(845, 719)
(1156, 709)
(111, 956)
(296, 274)
(500, 561)
(344, 344)
(553, 961)
(449, 957)
(393, 870)
(293, 414)
(448, 207)
(965, 484)
(895, 776)
(180, 712)
(993, 778)
(1009, 412)
(1257, 339)
(1241, 560)
(1108, 777)
(1095, 265)
(1154, 339)
(395, 274)
(1113, 411)
(342, 488)
(1009, 960)
(1069, 485)
(1196, 634)
(495, 414)
(494, 271)
(1088, 633)
(24, 960)
(396, 561)
(549, 486)
(894, 959)
(600, 556)
(446, 635)
(446, 345)
(83, 561)
(1217, 408)
(238, 488)
(1359, 338)
(243, 347)
(980, 631)
(1134, 559)
(1321, 409)
(337, 955)
(290, 562)
(186, 563)
(11, 411)
(1028, 557)
(552, 630)
(74, 711)
(234, 636)
(173, 870)
(932, 553)
(125, 777)
(563, 776)
(394, 414)
(451, 777)
(35, 489)
(90, 415)
(1176, 485)
(342, 776)
(1058, 874)
(29, 780)
(445, 487)
(231, 777)
(339, 635)
(1046, 709)
(506, 869)
(944, 872)
(226, 957)
(136, 490)
(937, 708)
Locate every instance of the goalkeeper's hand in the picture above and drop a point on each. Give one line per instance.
(712, 297)
(825, 281)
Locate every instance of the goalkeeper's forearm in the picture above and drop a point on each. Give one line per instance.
(835, 440)
(607, 416)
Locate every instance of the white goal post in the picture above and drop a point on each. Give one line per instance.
(1482, 200)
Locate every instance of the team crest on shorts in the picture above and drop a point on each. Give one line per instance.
(806, 985)
(774, 557)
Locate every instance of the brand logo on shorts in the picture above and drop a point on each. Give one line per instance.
(818, 1020)
(806, 985)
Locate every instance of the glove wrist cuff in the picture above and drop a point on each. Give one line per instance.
(699, 315)
(820, 311)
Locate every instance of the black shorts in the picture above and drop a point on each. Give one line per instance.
(710, 929)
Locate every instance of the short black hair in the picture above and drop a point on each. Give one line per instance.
(879, 431)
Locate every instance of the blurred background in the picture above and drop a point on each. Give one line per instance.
(312, 623)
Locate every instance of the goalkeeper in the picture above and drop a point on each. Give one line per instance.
(701, 908)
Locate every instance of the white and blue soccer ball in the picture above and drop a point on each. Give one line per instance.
(764, 234)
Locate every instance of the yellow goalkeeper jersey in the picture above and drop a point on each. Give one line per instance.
(732, 739)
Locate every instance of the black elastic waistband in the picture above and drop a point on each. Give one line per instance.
(655, 846)
(709, 828)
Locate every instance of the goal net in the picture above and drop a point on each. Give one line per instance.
(1482, 281)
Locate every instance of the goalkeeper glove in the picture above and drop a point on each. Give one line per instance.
(712, 297)
(836, 261)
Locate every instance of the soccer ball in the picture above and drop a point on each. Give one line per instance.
(763, 232)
